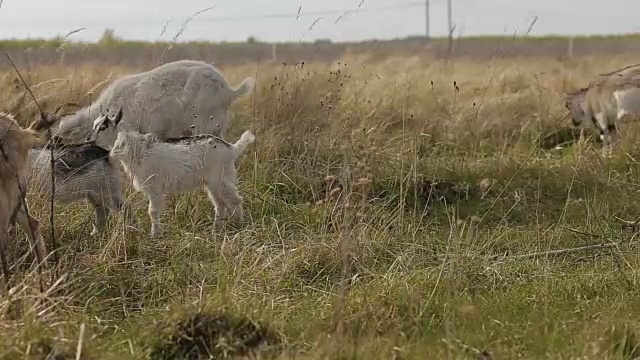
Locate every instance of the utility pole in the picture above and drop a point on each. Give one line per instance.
(450, 27)
(427, 19)
(449, 16)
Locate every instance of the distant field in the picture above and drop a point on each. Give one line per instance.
(112, 51)
(463, 269)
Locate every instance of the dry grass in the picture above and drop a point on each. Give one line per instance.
(343, 254)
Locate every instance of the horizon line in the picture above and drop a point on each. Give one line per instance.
(253, 40)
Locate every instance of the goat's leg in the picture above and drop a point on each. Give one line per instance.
(607, 145)
(232, 199)
(613, 138)
(213, 189)
(156, 206)
(117, 205)
(31, 226)
(101, 213)
(4, 230)
(4, 258)
(605, 133)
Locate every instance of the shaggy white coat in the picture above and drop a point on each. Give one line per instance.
(165, 101)
(160, 168)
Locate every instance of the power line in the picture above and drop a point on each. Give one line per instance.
(300, 14)
(291, 15)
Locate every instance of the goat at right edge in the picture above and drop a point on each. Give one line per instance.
(606, 100)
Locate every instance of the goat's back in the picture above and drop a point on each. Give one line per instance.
(169, 99)
(81, 171)
(177, 167)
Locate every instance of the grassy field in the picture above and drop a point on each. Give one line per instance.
(436, 244)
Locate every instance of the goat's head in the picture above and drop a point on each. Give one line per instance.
(15, 138)
(103, 122)
(44, 122)
(130, 143)
(573, 103)
(74, 123)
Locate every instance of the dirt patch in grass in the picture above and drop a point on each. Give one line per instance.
(427, 190)
(217, 336)
(450, 192)
(567, 136)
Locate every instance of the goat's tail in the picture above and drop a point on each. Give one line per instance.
(245, 140)
(245, 87)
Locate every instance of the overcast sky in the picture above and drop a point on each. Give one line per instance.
(275, 20)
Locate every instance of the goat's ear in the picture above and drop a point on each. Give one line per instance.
(100, 123)
(118, 117)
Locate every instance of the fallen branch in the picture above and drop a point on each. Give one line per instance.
(604, 245)
(564, 251)
(576, 231)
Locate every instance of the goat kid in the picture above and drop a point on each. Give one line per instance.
(180, 165)
(82, 172)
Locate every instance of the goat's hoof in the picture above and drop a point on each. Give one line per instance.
(218, 225)
(155, 230)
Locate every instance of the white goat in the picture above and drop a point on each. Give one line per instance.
(165, 101)
(180, 165)
(607, 99)
(82, 172)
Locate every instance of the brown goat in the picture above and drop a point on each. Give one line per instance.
(15, 143)
(605, 101)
